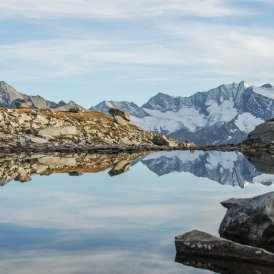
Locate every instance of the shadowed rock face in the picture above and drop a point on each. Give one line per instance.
(21, 168)
(198, 243)
(263, 163)
(250, 221)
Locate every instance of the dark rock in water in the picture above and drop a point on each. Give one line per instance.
(22, 104)
(250, 221)
(224, 266)
(118, 112)
(120, 167)
(198, 243)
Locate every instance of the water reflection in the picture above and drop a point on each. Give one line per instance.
(22, 167)
(97, 223)
(223, 266)
(226, 168)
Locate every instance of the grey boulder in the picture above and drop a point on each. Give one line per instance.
(21, 104)
(198, 243)
(250, 221)
(118, 112)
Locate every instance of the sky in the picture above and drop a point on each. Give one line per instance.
(90, 51)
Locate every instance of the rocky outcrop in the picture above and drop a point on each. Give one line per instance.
(197, 243)
(21, 104)
(260, 140)
(117, 112)
(9, 96)
(250, 221)
(37, 130)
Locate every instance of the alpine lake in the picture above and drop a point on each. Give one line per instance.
(118, 214)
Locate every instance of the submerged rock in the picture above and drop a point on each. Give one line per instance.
(250, 221)
(198, 243)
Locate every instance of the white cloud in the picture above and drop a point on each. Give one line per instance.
(115, 9)
(214, 49)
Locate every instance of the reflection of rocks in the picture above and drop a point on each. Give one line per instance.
(197, 243)
(224, 266)
(250, 221)
(120, 167)
(227, 168)
(22, 178)
(21, 168)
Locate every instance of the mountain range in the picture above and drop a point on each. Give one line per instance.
(9, 95)
(223, 115)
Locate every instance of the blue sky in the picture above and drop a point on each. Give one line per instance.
(93, 50)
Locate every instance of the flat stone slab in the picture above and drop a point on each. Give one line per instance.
(198, 243)
(58, 131)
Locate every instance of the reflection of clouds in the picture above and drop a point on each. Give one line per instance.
(109, 261)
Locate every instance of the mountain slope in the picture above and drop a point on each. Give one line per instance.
(224, 115)
(8, 95)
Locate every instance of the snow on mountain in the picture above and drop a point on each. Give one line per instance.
(265, 90)
(226, 168)
(225, 114)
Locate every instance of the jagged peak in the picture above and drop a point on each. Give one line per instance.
(61, 103)
(267, 86)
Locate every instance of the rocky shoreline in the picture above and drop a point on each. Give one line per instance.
(246, 236)
(47, 131)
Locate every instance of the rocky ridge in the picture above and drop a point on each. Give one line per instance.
(36, 130)
(247, 230)
(9, 96)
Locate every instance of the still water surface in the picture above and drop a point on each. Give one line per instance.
(97, 223)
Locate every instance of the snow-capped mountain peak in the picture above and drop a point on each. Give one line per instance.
(225, 114)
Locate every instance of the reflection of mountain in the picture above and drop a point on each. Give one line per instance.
(227, 168)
